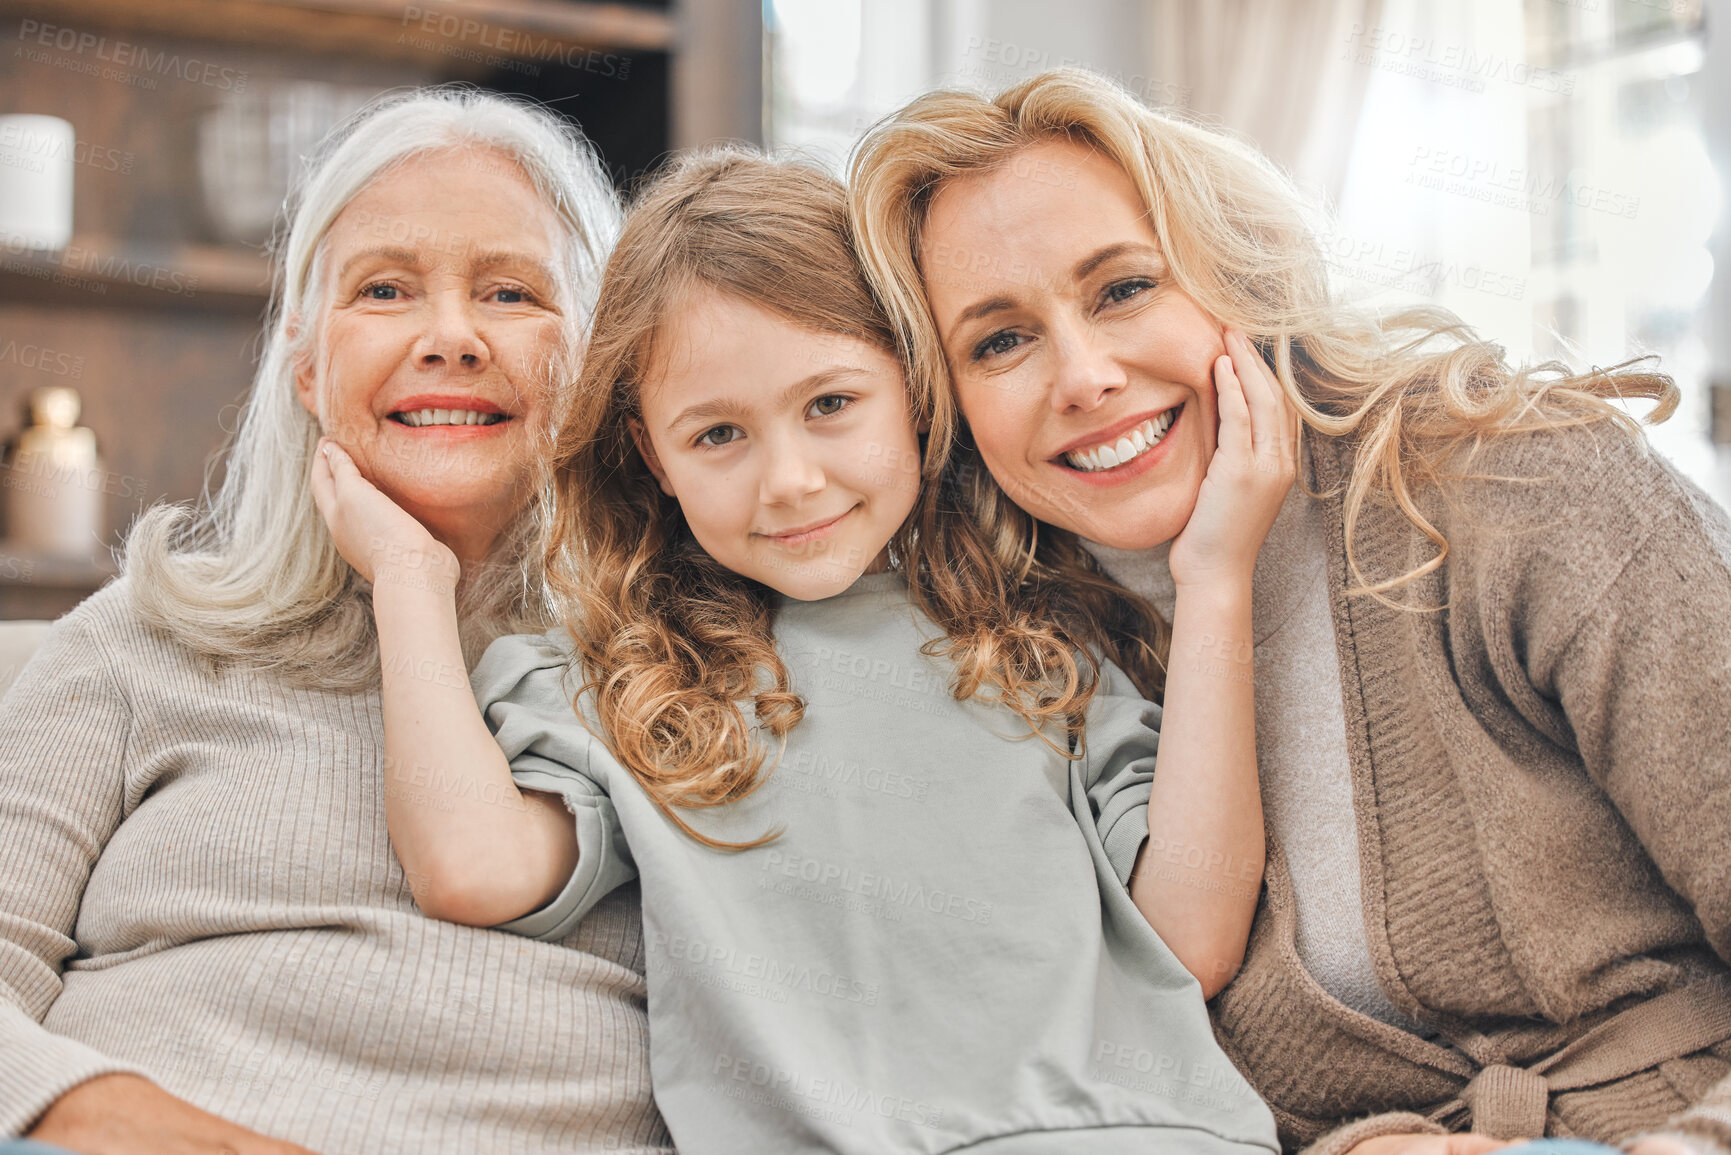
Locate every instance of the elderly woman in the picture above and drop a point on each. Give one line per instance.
(1492, 634)
(204, 936)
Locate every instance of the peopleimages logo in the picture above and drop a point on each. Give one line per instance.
(1514, 186)
(795, 1090)
(1442, 62)
(99, 268)
(786, 976)
(866, 884)
(123, 54)
(42, 359)
(32, 150)
(514, 42)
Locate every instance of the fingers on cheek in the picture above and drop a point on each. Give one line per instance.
(1224, 373)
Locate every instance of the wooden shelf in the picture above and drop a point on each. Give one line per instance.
(99, 272)
(43, 586)
(21, 566)
(391, 29)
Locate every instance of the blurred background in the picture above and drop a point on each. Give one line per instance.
(1548, 169)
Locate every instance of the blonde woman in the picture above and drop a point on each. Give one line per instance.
(1491, 632)
(205, 942)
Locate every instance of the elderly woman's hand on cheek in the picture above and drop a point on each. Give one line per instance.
(374, 534)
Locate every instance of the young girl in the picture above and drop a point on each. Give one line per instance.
(906, 862)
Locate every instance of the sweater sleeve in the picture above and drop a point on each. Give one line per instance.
(1645, 682)
(1122, 736)
(64, 727)
(521, 687)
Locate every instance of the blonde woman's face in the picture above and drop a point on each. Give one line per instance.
(441, 307)
(1083, 373)
(791, 452)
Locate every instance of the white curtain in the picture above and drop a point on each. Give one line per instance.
(1280, 72)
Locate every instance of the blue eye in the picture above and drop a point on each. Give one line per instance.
(719, 436)
(512, 296)
(828, 405)
(1124, 290)
(379, 292)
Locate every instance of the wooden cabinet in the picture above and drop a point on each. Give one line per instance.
(150, 313)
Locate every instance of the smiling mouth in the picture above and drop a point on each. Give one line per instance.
(420, 418)
(1125, 448)
(802, 535)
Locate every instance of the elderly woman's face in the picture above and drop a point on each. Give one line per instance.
(1085, 376)
(441, 307)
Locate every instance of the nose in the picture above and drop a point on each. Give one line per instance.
(1085, 373)
(791, 473)
(451, 339)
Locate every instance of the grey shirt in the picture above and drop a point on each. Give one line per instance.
(938, 952)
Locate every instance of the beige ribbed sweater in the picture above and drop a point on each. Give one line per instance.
(196, 885)
(1542, 788)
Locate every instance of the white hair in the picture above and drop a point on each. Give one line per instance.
(252, 573)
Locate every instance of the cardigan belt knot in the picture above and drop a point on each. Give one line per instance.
(1508, 1102)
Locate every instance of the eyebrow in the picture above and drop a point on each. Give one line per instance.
(478, 262)
(391, 253)
(707, 411)
(1089, 263)
(1083, 267)
(985, 309)
(494, 258)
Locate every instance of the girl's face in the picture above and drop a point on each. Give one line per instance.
(1083, 373)
(790, 451)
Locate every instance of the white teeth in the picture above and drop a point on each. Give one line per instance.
(1127, 448)
(418, 418)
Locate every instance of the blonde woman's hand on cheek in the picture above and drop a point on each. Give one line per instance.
(374, 534)
(1254, 464)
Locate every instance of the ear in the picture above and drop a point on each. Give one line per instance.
(646, 450)
(306, 381)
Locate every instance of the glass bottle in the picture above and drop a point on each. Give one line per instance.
(54, 487)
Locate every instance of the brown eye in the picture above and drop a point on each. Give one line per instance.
(719, 436)
(827, 405)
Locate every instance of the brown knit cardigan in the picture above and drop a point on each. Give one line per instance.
(1542, 782)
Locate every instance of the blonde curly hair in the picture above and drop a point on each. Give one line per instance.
(671, 643)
